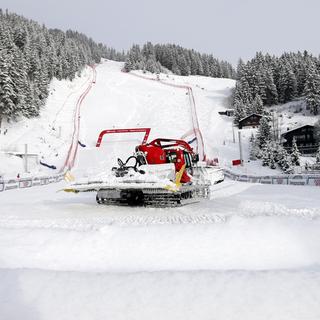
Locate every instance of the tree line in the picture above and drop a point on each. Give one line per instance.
(31, 55)
(277, 80)
(267, 81)
(163, 57)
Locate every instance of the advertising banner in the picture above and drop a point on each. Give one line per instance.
(243, 178)
(255, 179)
(298, 180)
(314, 181)
(25, 183)
(280, 180)
(266, 180)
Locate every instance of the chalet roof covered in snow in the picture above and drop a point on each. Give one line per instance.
(297, 128)
(251, 120)
(250, 115)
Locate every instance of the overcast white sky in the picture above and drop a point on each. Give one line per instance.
(227, 28)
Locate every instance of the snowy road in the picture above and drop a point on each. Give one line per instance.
(62, 256)
(228, 232)
(251, 252)
(206, 295)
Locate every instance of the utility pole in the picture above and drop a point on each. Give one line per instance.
(25, 158)
(240, 147)
(233, 136)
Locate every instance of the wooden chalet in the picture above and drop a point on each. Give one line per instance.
(251, 121)
(305, 139)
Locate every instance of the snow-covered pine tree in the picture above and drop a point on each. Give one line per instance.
(301, 71)
(272, 161)
(257, 105)
(265, 155)
(312, 90)
(240, 69)
(183, 65)
(276, 151)
(291, 92)
(128, 66)
(243, 91)
(205, 65)
(240, 110)
(285, 161)
(271, 89)
(295, 153)
(148, 51)
(261, 84)
(196, 64)
(152, 66)
(8, 96)
(193, 65)
(268, 155)
(32, 104)
(18, 74)
(175, 68)
(264, 132)
(287, 82)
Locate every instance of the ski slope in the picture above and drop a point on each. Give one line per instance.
(251, 252)
(121, 100)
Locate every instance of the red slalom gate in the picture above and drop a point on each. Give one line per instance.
(110, 131)
(71, 156)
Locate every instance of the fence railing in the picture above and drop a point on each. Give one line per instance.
(21, 183)
(293, 179)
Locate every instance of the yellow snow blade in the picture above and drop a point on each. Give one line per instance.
(179, 176)
(177, 184)
(171, 188)
(68, 177)
(70, 190)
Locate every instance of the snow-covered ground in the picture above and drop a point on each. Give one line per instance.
(250, 252)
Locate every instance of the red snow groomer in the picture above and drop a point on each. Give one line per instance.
(161, 173)
(178, 152)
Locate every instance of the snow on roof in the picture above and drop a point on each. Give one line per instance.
(252, 114)
(296, 128)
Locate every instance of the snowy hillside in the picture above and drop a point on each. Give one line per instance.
(250, 252)
(117, 100)
(49, 135)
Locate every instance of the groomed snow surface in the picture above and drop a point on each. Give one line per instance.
(250, 252)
